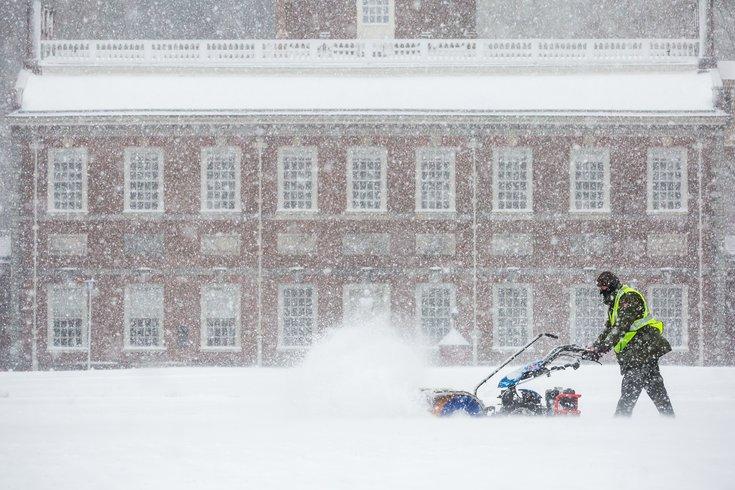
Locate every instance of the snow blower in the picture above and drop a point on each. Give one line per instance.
(514, 400)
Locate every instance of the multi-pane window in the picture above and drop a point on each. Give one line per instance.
(513, 307)
(366, 181)
(297, 179)
(366, 304)
(375, 11)
(435, 179)
(67, 180)
(435, 303)
(590, 179)
(143, 179)
(512, 173)
(297, 315)
(669, 304)
(221, 179)
(67, 313)
(667, 179)
(220, 316)
(588, 315)
(144, 316)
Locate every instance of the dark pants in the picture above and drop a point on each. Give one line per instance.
(646, 377)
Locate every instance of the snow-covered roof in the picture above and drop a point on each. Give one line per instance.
(686, 91)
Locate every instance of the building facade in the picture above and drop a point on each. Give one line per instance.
(176, 218)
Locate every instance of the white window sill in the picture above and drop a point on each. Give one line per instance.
(235, 348)
(591, 213)
(67, 350)
(144, 212)
(216, 212)
(144, 349)
(436, 214)
(296, 214)
(54, 212)
(293, 348)
(665, 213)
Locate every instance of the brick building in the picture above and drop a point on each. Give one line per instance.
(175, 216)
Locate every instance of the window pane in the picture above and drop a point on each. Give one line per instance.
(298, 315)
(68, 317)
(667, 167)
(588, 178)
(513, 177)
(366, 178)
(375, 11)
(144, 309)
(221, 179)
(512, 320)
(297, 184)
(436, 168)
(668, 305)
(435, 307)
(144, 179)
(67, 179)
(220, 311)
(589, 315)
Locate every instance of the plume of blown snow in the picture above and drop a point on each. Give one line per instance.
(363, 370)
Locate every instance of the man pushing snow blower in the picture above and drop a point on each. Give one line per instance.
(635, 336)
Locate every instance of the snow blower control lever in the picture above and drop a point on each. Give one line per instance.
(510, 359)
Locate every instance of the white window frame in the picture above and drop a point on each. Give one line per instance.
(421, 288)
(371, 152)
(434, 152)
(495, 314)
(229, 289)
(52, 155)
(205, 153)
(684, 312)
(127, 317)
(315, 319)
(378, 288)
(50, 313)
(668, 151)
(590, 153)
(362, 5)
(516, 152)
(128, 154)
(573, 311)
(310, 151)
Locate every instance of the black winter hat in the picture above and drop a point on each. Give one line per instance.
(608, 281)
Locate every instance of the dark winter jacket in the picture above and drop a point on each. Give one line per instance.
(647, 345)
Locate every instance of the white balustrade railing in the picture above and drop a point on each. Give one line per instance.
(360, 52)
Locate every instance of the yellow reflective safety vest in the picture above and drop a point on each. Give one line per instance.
(646, 320)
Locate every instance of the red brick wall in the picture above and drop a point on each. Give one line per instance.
(183, 269)
(440, 19)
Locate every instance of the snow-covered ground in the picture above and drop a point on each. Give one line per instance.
(348, 418)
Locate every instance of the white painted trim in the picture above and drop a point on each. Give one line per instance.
(315, 295)
(226, 288)
(381, 288)
(310, 151)
(380, 152)
(50, 289)
(127, 153)
(126, 317)
(529, 313)
(418, 295)
(594, 152)
(684, 312)
(203, 155)
(442, 151)
(684, 183)
(52, 152)
(497, 151)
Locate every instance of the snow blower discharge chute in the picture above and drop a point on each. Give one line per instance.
(514, 400)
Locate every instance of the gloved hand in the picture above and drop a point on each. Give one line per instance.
(592, 354)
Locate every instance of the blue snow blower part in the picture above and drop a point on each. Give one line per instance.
(520, 374)
(462, 403)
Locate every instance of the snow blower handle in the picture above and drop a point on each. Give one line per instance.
(508, 361)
